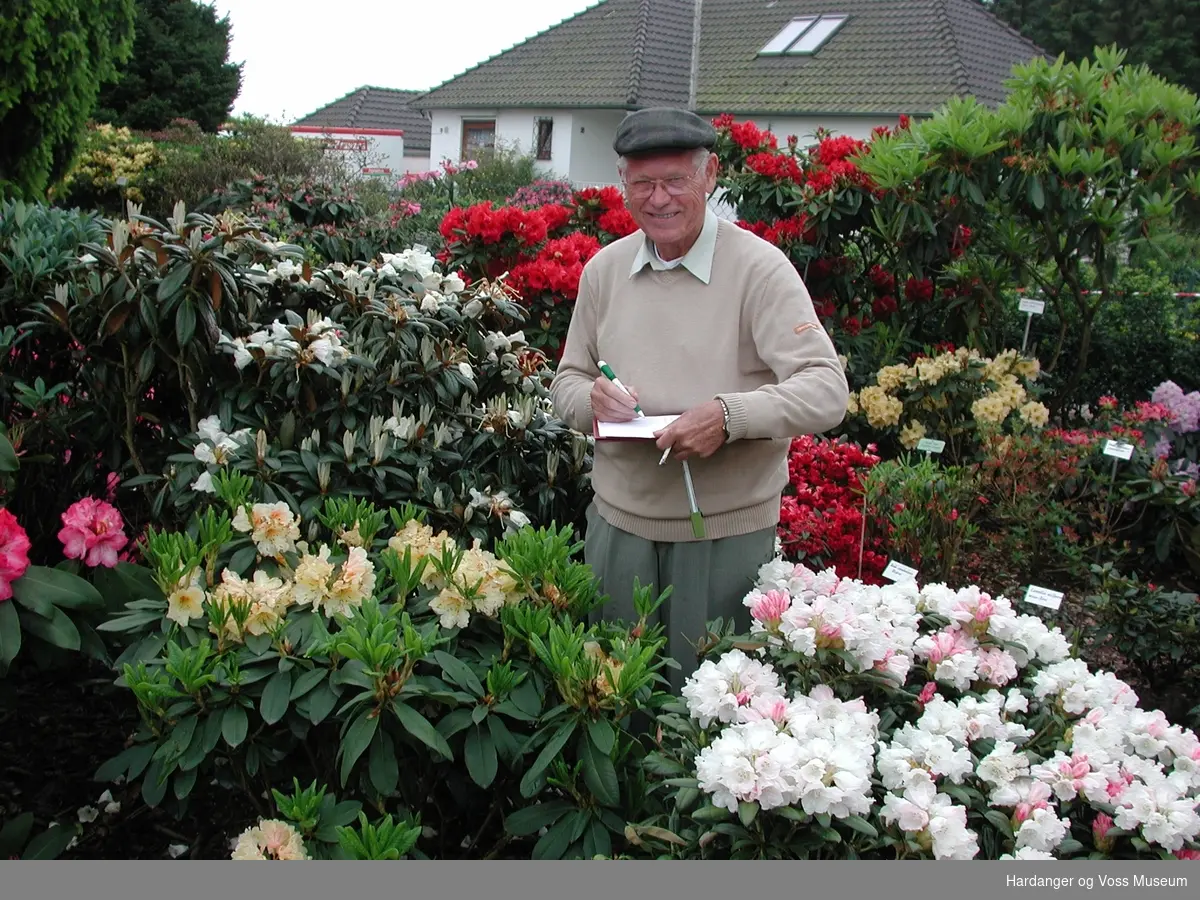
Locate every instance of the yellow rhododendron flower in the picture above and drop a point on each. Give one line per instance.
(421, 542)
(852, 404)
(270, 839)
(453, 609)
(354, 584)
(311, 581)
(891, 377)
(272, 527)
(911, 434)
(881, 408)
(186, 602)
(1035, 414)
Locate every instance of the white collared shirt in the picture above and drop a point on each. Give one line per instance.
(698, 260)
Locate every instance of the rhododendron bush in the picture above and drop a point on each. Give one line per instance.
(542, 248)
(212, 348)
(915, 721)
(361, 649)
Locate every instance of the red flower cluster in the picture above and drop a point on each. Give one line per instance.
(746, 135)
(776, 166)
(489, 225)
(836, 149)
(556, 269)
(792, 230)
(821, 515)
(918, 290)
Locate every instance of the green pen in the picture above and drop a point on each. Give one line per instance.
(612, 376)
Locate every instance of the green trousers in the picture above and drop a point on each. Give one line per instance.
(709, 580)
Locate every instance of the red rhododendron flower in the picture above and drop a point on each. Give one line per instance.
(775, 166)
(836, 149)
(14, 552)
(618, 222)
(918, 290)
(749, 136)
(93, 532)
(883, 281)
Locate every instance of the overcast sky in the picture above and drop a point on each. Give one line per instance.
(299, 55)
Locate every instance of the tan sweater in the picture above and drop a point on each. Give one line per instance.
(750, 337)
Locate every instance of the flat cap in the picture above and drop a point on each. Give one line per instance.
(660, 128)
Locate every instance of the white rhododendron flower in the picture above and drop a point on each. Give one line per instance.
(984, 675)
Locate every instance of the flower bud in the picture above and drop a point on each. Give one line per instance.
(348, 440)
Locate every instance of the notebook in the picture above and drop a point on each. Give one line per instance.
(640, 429)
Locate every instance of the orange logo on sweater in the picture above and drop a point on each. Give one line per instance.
(803, 327)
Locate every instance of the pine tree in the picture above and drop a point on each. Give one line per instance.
(180, 69)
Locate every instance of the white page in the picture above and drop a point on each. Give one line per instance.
(642, 428)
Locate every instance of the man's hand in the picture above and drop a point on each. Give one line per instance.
(610, 403)
(698, 432)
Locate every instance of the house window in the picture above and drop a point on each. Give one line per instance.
(803, 36)
(543, 138)
(479, 138)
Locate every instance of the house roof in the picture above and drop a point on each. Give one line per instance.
(375, 107)
(889, 57)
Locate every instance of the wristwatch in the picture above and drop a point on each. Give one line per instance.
(725, 415)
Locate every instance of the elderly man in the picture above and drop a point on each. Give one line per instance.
(701, 319)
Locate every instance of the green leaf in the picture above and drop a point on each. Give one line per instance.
(154, 784)
(307, 682)
(10, 635)
(861, 825)
(170, 285)
(506, 745)
(14, 834)
(458, 672)
(747, 812)
(1036, 195)
(274, 701)
(531, 781)
(183, 783)
(598, 772)
(602, 734)
(420, 728)
(553, 844)
(321, 702)
(50, 843)
(711, 813)
(358, 738)
(234, 725)
(1000, 821)
(480, 755)
(185, 323)
(382, 765)
(58, 630)
(40, 586)
(533, 819)
(8, 457)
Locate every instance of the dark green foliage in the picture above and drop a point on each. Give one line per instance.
(180, 69)
(54, 57)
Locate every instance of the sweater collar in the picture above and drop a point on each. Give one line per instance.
(698, 260)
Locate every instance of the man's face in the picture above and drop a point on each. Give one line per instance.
(666, 195)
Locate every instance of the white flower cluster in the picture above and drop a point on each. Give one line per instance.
(318, 340)
(1130, 766)
(814, 751)
(216, 448)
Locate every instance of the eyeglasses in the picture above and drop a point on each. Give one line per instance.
(676, 185)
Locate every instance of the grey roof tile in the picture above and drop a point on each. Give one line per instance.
(375, 107)
(890, 57)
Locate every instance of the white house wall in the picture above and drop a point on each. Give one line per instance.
(514, 129)
(805, 128)
(593, 160)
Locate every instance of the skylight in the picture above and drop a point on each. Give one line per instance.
(803, 36)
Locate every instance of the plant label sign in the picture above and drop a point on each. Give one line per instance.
(1118, 449)
(1040, 596)
(1031, 306)
(899, 572)
(929, 445)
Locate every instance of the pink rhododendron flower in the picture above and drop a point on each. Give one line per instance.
(93, 532)
(14, 552)
(770, 607)
(1100, 826)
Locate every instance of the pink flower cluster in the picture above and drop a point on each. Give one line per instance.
(1184, 409)
(14, 552)
(94, 532)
